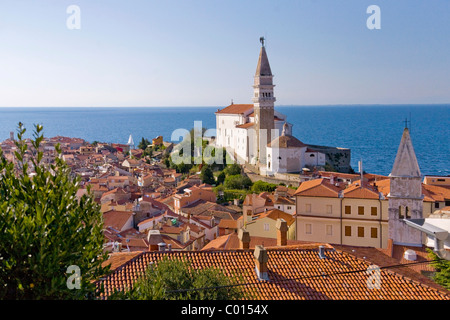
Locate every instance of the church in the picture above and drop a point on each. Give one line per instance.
(258, 134)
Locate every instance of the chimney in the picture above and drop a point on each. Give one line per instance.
(322, 252)
(169, 247)
(261, 259)
(244, 239)
(161, 246)
(282, 229)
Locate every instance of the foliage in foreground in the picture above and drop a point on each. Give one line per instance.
(442, 275)
(174, 279)
(46, 233)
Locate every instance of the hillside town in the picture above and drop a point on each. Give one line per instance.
(149, 207)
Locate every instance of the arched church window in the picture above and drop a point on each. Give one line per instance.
(311, 155)
(407, 213)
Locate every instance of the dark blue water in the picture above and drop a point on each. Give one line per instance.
(372, 133)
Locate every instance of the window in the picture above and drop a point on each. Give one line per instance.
(361, 232)
(400, 213)
(266, 227)
(348, 231)
(329, 209)
(308, 228)
(348, 209)
(308, 207)
(436, 205)
(407, 213)
(329, 229)
(289, 207)
(311, 155)
(374, 233)
(360, 210)
(373, 211)
(279, 207)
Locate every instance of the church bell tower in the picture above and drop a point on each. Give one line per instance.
(263, 104)
(405, 196)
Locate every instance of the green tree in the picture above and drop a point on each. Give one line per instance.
(261, 186)
(221, 178)
(144, 144)
(233, 169)
(174, 279)
(207, 175)
(237, 182)
(47, 235)
(442, 275)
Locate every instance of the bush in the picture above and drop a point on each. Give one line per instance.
(237, 182)
(232, 169)
(178, 280)
(45, 229)
(261, 186)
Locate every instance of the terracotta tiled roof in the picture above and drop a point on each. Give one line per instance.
(294, 274)
(231, 242)
(227, 224)
(317, 188)
(286, 141)
(245, 125)
(277, 214)
(360, 192)
(236, 108)
(116, 219)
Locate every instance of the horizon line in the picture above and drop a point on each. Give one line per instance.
(223, 106)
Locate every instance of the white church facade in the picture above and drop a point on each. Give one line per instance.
(258, 134)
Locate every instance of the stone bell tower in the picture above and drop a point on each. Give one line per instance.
(263, 104)
(405, 196)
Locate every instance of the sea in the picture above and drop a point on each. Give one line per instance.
(372, 132)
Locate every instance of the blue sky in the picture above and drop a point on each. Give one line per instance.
(204, 52)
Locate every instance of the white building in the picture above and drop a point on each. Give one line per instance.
(252, 132)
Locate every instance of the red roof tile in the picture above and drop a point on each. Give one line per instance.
(298, 274)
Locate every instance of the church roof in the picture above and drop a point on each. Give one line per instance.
(236, 109)
(405, 163)
(263, 67)
(286, 141)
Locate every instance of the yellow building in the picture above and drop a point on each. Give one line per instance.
(157, 141)
(350, 215)
(265, 224)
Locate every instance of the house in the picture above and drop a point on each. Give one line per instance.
(118, 220)
(157, 141)
(118, 181)
(117, 194)
(257, 203)
(264, 224)
(191, 195)
(130, 164)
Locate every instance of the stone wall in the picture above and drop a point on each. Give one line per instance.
(337, 157)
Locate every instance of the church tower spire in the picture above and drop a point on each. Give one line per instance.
(263, 103)
(405, 196)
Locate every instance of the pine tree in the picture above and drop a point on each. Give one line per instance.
(207, 175)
